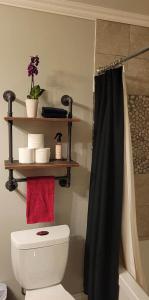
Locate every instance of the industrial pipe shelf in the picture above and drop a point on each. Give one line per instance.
(12, 164)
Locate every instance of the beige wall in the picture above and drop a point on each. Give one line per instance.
(115, 40)
(65, 46)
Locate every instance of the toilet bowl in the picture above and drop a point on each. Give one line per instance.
(39, 257)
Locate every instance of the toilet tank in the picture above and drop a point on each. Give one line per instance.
(39, 256)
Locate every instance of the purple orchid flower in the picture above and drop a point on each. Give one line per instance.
(32, 67)
(32, 70)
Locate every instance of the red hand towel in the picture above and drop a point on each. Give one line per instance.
(40, 200)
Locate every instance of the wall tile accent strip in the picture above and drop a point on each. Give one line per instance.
(138, 107)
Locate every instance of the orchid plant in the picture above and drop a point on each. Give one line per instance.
(35, 90)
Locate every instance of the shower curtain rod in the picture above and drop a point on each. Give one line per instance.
(120, 61)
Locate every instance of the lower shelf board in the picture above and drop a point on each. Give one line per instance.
(52, 164)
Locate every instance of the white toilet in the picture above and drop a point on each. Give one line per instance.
(39, 258)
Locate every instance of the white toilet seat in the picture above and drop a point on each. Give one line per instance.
(56, 292)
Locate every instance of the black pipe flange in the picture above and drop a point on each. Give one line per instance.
(11, 185)
(9, 96)
(66, 100)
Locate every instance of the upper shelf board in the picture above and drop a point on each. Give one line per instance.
(15, 119)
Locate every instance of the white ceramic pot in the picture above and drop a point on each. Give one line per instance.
(42, 155)
(35, 140)
(26, 156)
(31, 108)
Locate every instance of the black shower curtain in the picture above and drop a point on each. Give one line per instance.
(106, 189)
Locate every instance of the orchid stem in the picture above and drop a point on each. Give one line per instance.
(32, 82)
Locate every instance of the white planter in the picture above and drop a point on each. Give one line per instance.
(31, 108)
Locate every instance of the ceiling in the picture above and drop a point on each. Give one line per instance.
(133, 6)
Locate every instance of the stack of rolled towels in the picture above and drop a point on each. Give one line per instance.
(35, 152)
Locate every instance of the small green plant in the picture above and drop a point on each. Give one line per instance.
(35, 90)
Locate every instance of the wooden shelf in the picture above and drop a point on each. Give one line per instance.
(52, 164)
(41, 119)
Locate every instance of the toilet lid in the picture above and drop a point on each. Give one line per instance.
(56, 292)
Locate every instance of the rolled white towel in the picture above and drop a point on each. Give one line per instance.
(26, 155)
(42, 155)
(35, 141)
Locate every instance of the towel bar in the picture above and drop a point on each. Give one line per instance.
(12, 182)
